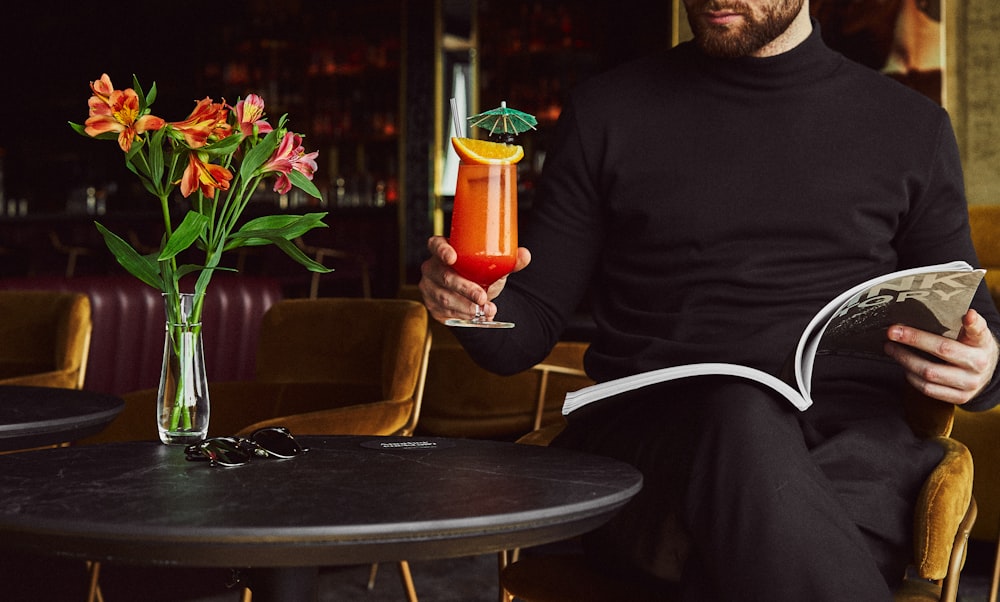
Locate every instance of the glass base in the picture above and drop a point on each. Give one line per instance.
(182, 437)
(478, 323)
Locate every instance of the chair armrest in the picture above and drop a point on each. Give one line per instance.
(942, 507)
(543, 436)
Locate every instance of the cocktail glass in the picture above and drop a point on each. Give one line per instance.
(484, 229)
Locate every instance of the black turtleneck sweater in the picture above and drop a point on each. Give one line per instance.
(711, 206)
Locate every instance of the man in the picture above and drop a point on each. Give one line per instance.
(710, 200)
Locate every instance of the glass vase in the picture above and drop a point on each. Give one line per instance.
(182, 403)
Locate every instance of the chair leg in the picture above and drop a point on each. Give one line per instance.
(94, 588)
(949, 585)
(371, 576)
(407, 579)
(995, 581)
(504, 558)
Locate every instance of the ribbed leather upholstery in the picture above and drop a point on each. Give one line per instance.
(126, 347)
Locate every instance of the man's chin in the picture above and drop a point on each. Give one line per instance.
(728, 44)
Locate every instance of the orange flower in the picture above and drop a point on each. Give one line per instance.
(207, 177)
(102, 88)
(117, 111)
(208, 120)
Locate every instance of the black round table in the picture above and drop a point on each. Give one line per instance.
(39, 416)
(348, 500)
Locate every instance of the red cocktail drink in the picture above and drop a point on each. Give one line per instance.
(484, 222)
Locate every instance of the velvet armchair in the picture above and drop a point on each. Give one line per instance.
(463, 400)
(346, 365)
(44, 338)
(980, 431)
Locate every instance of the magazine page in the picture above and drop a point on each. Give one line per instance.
(580, 398)
(933, 298)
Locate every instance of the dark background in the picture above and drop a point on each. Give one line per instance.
(50, 53)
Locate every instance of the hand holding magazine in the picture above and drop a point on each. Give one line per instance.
(932, 298)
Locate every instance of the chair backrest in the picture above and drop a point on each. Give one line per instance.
(44, 338)
(984, 223)
(372, 349)
(463, 400)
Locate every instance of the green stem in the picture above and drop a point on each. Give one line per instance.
(184, 331)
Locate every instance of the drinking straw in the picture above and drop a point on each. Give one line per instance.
(458, 121)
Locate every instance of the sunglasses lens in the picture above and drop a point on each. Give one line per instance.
(276, 441)
(221, 451)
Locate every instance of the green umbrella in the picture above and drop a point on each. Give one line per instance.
(504, 121)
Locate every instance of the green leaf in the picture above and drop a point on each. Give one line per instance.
(82, 130)
(137, 87)
(191, 269)
(79, 129)
(150, 187)
(259, 155)
(296, 253)
(193, 227)
(151, 97)
(300, 181)
(269, 228)
(226, 146)
(155, 156)
(143, 267)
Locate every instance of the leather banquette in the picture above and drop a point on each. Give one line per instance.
(126, 346)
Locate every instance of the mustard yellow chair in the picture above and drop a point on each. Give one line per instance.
(945, 514)
(463, 400)
(980, 431)
(343, 366)
(44, 338)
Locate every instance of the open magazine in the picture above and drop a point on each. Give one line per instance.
(932, 298)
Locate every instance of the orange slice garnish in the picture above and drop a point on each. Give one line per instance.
(471, 150)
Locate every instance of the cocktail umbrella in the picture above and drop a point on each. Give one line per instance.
(504, 121)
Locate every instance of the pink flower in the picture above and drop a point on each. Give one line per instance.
(117, 111)
(250, 114)
(290, 155)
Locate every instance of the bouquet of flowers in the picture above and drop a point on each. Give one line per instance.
(217, 157)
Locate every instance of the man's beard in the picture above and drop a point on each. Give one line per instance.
(751, 35)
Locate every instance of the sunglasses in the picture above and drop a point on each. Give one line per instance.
(268, 442)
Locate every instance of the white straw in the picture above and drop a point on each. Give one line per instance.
(458, 120)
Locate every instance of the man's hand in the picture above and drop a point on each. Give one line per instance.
(448, 295)
(966, 365)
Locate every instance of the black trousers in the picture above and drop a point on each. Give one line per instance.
(747, 498)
